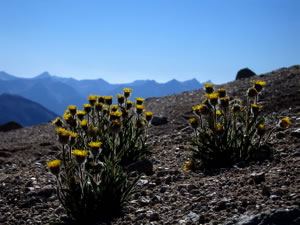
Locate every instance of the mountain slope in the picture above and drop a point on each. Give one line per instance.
(56, 93)
(23, 111)
(46, 91)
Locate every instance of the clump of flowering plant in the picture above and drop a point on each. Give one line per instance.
(96, 144)
(226, 131)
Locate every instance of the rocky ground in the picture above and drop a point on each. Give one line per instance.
(259, 193)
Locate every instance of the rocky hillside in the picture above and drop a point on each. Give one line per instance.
(258, 193)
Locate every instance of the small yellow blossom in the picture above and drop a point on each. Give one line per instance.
(218, 112)
(149, 116)
(92, 99)
(114, 115)
(87, 108)
(219, 128)
(252, 92)
(108, 100)
(80, 114)
(101, 99)
(221, 92)
(261, 129)
(209, 88)
(139, 101)
(72, 109)
(63, 135)
(194, 122)
(129, 104)
(213, 98)
(120, 98)
(57, 122)
(95, 144)
(224, 102)
(285, 122)
(105, 110)
(139, 109)
(256, 108)
(114, 108)
(187, 166)
(80, 155)
(54, 166)
(99, 106)
(127, 92)
(84, 124)
(95, 148)
(73, 136)
(258, 85)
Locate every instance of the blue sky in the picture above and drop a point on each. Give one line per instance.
(121, 41)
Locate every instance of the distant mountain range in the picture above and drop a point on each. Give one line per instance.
(56, 93)
(23, 111)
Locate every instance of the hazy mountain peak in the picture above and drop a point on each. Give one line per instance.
(6, 76)
(43, 75)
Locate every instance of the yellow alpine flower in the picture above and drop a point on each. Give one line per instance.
(127, 92)
(99, 106)
(121, 99)
(187, 166)
(72, 109)
(149, 116)
(221, 92)
(63, 135)
(129, 104)
(54, 166)
(139, 109)
(57, 122)
(252, 92)
(84, 124)
(261, 129)
(285, 122)
(114, 108)
(139, 101)
(219, 128)
(114, 115)
(92, 99)
(80, 155)
(213, 98)
(258, 85)
(80, 114)
(209, 88)
(87, 108)
(194, 122)
(108, 100)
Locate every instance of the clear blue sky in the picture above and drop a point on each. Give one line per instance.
(125, 40)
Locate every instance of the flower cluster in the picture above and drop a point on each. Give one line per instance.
(97, 142)
(228, 131)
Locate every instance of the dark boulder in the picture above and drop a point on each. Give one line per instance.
(10, 126)
(244, 73)
(156, 121)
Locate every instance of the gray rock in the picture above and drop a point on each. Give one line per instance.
(157, 121)
(277, 217)
(152, 216)
(258, 177)
(295, 154)
(141, 166)
(244, 73)
(296, 133)
(144, 201)
(192, 217)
